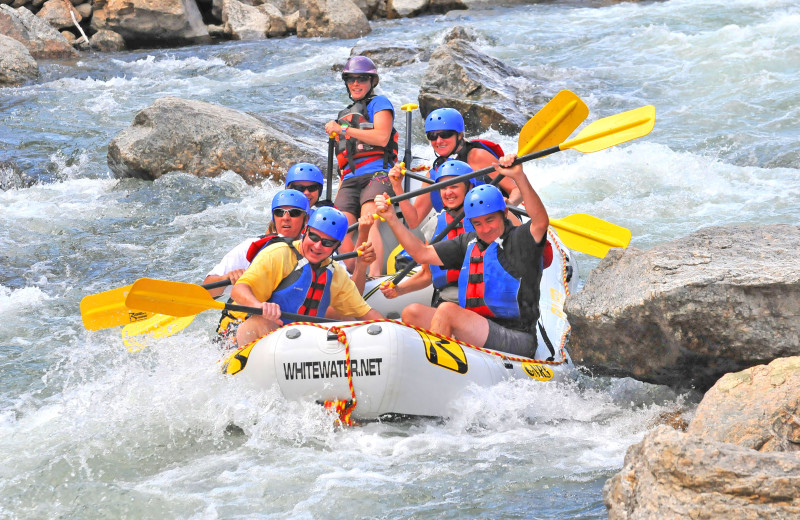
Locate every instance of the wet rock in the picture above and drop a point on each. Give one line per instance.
(411, 8)
(204, 139)
(57, 14)
(107, 41)
(687, 312)
(390, 56)
(41, 39)
(758, 408)
(674, 475)
(16, 63)
(332, 19)
(147, 22)
(245, 22)
(487, 92)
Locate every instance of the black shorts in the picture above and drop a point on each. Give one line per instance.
(517, 342)
(355, 191)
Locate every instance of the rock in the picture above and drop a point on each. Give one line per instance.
(70, 37)
(673, 475)
(411, 8)
(85, 10)
(487, 92)
(16, 63)
(204, 139)
(56, 13)
(396, 55)
(245, 22)
(687, 312)
(42, 40)
(372, 8)
(758, 408)
(332, 19)
(107, 41)
(146, 22)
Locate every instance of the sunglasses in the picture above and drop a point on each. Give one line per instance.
(444, 134)
(326, 242)
(311, 188)
(294, 212)
(361, 78)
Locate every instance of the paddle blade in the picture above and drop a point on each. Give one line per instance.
(107, 309)
(159, 326)
(553, 123)
(590, 235)
(614, 130)
(171, 298)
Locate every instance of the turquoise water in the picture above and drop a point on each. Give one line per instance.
(89, 430)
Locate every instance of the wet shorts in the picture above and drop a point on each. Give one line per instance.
(511, 341)
(355, 191)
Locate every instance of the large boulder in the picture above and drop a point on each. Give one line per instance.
(686, 312)
(16, 64)
(758, 408)
(247, 22)
(332, 19)
(57, 14)
(674, 476)
(204, 139)
(487, 92)
(411, 8)
(41, 39)
(147, 22)
(395, 55)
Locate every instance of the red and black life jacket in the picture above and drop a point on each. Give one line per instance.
(352, 153)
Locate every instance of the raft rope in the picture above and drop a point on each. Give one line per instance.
(343, 408)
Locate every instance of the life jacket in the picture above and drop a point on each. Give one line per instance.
(442, 277)
(229, 320)
(462, 154)
(351, 153)
(478, 269)
(305, 290)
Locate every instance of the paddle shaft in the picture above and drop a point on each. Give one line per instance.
(331, 150)
(407, 154)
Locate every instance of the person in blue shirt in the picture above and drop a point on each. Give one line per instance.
(366, 149)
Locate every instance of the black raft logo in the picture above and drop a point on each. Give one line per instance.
(445, 353)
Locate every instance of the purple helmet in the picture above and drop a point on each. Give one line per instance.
(359, 65)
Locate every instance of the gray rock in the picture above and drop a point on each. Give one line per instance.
(392, 56)
(57, 14)
(673, 475)
(332, 19)
(411, 8)
(41, 39)
(204, 139)
(245, 22)
(758, 408)
(487, 92)
(107, 41)
(145, 22)
(16, 63)
(687, 312)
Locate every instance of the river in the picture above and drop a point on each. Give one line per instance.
(90, 430)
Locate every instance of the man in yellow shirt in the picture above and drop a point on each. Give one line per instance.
(300, 278)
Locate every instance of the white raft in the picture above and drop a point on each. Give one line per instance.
(397, 370)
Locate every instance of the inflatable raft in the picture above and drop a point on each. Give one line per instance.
(385, 368)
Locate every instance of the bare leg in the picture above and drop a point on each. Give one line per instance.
(418, 315)
(376, 268)
(456, 322)
(253, 328)
(347, 244)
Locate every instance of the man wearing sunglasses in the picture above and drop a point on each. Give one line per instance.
(300, 278)
(500, 268)
(444, 128)
(366, 147)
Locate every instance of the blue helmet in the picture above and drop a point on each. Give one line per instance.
(330, 221)
(451, 168)
(483, 200)
(304, 172)
(290, 198)
(444, 119)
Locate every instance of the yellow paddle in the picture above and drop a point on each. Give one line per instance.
(107, 309)
(187, 299)
(553, 123)
(587, 234)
